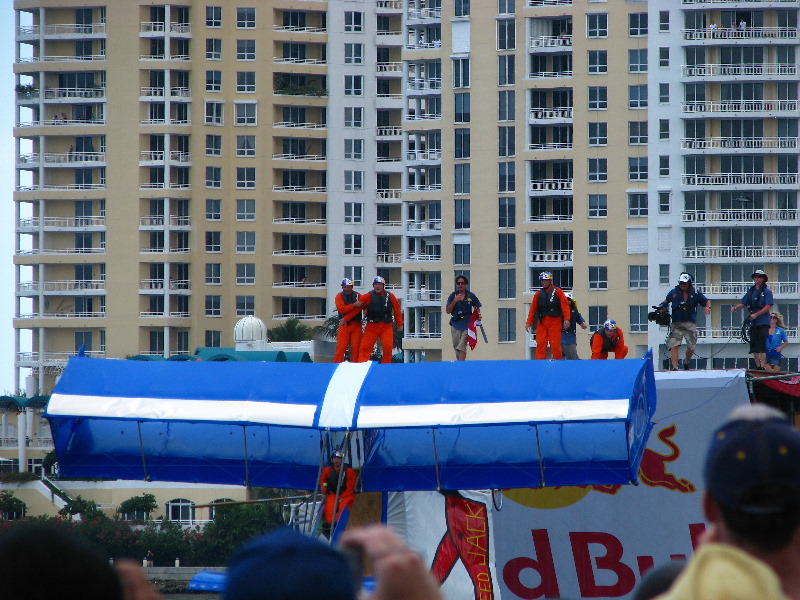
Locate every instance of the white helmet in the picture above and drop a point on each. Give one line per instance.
(685, 278)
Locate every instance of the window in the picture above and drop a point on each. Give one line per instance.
(598, 206)
(245, 305)
(637, 61)
(462, 107)
(213, 81)
(598, 278)
(460, 72)
(245, 49)
(507, 279)
(213, 145)
(353, 116)
(637, 204)
(663, 129)
(663, 275)
(180, 510)
(214, 49)
(598, 61)
(462, 143)
(637, 133)
(246, 18)
(505, 7)
(663, 57)
(245, 145)
(245, 178)
(506, 105)
(507, 325)
(213, 306)
(213, 177)
(664, 202)
(507, 212)
(637, 168)
(663, 165)
(213, 338)
(214, 112)
(598, 134)
(245, 209)
(598, 170)
(506, 177)
(507, 248)
(353, 212)
(356, 274)
(353, 54)
(637, 277)
(506, 66)
(506, 34)
(638, 318)
(637, 96)
(213, 273)
(213, 209)
(461, 254)
(461, 8)
(213, 16)
(354, 149)
(506, 141)
(246, 113)
(353, 244)
(245, 81)
(353, 181)
(663, 20)
(461, 213)
(597, 316)
(353, 85)
(598, 242)
(637, 24)
(354, 21)
(245, 242)
(663, 93)
(245, 273)
(598, 98)
(597, 25)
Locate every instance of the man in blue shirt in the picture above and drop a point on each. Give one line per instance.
(758, 301)
(460, 305)
(683, 299)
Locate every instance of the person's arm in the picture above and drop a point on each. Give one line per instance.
(346, 311)
(531, 312)
(565, 312)
(764, 309)
(597, 345)
(452, 300)
(398, 313)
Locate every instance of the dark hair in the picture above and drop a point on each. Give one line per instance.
(464, 277)
(770, 528)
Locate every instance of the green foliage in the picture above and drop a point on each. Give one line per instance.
(18, 477)
(329, 328)
(49, 461)
(232, 526)
(138, 505)
(291, 331)
(87, 509)
(10, 504)
(167, 540)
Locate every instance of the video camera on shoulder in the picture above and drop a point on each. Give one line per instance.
(660, 316)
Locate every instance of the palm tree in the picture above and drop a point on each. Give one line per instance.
(329, 328)
(291, 331)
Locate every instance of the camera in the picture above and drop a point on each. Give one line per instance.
(659, 315)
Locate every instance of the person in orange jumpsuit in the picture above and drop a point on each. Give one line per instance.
(379, 305)
(349, 332)
(550, 311)
(329, 481)
(609, 338)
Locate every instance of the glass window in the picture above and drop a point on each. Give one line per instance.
(597, 25)
(507, 141)
(663, 275)
(213, 306)
(637, 24)
(598, 206)
(213, 16)
(461, 213)
(507, 326)
(245, 178)
(213, 177)
(213, 338)
(637, 60)
(353, 116)
(637, 96)
(598, 98)
(637, 168)
(507, 279)
(213, 273)
(506, 105)
(462, 143)
(213, 81)
(663, 129)
(598, 242)
(462, 107)
(507, 248)
(245, 145)
(461, 8)
(637, 133)
(663, 165)
(353, 54)
(213, 209)
(663, 57)
(353, 244)
(353, 212)
(506, 66)
(598, 134)
(245, 273)
(354, 21)
(353, 181)
(663, 93)
(246, 113)
(638, 318)
(213, 145)
(637, 277)
(245, 81)
(506, 34)
(245, 18)
(461, 254)
(213, 49)
(245, 49)
(597, 316)
(663, 20)
(460, 72)
(214, 113)
(507, 208)
(598, 170)
(353, 85)
(245, 242)
(505, 7)
(598, 278)
(245, 305)
(354, 149)
(506, 177)
(598, 61)
(637, 204)
(245, 209)
(664, 202)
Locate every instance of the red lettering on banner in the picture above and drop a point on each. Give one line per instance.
(544, 566)
(696, 530)
(644, 563)
(610, 561)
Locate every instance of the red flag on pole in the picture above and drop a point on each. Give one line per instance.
(472, 330)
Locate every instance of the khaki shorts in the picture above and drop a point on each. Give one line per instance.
(681, 330)
(459, 339)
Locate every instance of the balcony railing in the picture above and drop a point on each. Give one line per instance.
(424, 187)
(62, 157)
(388, 258)
(422, 335)
(299, 188)
(292, 29)
(390, 130)
(737, 214)
(292, 125)
(422, 257)
(424, 13)
(414, 155)
(424, 295)
(389, 194)
(424, 225)
(54, 358)
(61, 222)
(72, 93)
(554, 217)
(420, 83)
(422, 116)
(311, 157)
(62, 58)
(282, 60)
(548, 114)
(299, 253)
(537, 185)
(550, 41)
(741, 106)
(753, 252)
(780, 33)
(286, 316)
(297, 284)
(549, 3)
(389, 67)
(423, 45)
(713, 143)
(739, 288)
(296, 221)
(551, 146)
(741, 179)
(63, 315)
(712, 70)
(735, 331)
(551, 256)
(549, 74)
(56, 251)
(67, 285)
(63, 29)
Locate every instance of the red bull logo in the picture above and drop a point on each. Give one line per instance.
(653, 470)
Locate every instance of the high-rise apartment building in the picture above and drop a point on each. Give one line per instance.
(181, 165)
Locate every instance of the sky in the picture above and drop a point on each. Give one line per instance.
(7, 159)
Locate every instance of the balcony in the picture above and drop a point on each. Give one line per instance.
(423, 155)
(744, 214)
(160, 284)
(61, 58)
(287, 316)
(160, 220)
(556, 114)
(419, 84)
(717, 70)
(63, 29)
(741, 179)
(551, 256)
(423, 45)
(749, 252)
(532, 3)
(722, 143)
(315, 253)
(298, 284)
(310, 157)
(299, 188)
(422, 335)
(551, 146)
(744, 106)
(58, 121)
(388, 258)
(165, 315)
(388, 68)
(176, 250)
(426, 226)
(66, 286)
(391, 195)
(718, 334)
(423, 13)
(548, 217)
(422, 116)
(422, 257)
(53, 223)
(295, 221)
(424, 187)
(543, 42)
(293, 125)
(64, 159)
(739, 288)
(63, 315)
(74, 93)
(424, 296)
(748, 33)
(58, 251)
(55, 359)
(282, 60)
(293, 29)
(549, 74)
(550, 185)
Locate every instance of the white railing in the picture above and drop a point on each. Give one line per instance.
(295, 221)
(55, 357)
(297, 284)
(536, 185)
(781, 33)
(389, 194)
(539, 218)
(421, 83)
(380, 223)
(549, 3)
(292, 125)
(736, 214)
(70, 222)
(390, 130)
(424, 13)
(386, 258)
(552, 256)
(548, 114)
(293, 29)
(389, 67)
(422, 116)
(733, 143)
(63, 315)
(62, 157)
(63, 29)
(298, 188)
(56, 251)
(421, 45)
(422, 335)
(73, 186)
(424, 225)
(741, 179)
(298, 61)
(424, 155)
(312, 157)
(424, 295)
(735, 331)
(753, 252)
(299, 253)
(550, 41)
(66, 285)
(426, 187)
(711, 70)
(551, 146)
(73, 58)
(740, 106)
(549, 74)
(152, 92)
(284, 317)
(740, 288)
(391, 4)
(56, 93)
(422, 257)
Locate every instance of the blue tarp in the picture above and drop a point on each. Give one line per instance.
(423, 426)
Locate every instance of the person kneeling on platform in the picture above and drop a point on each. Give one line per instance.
(608, 338)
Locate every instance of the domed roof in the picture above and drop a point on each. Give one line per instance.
(250, 329)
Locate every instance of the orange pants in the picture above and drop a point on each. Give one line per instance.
(349, 334)
(548, 330)
(620, 352)
(372, 332)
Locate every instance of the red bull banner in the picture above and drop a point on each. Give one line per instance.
(588, 541)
